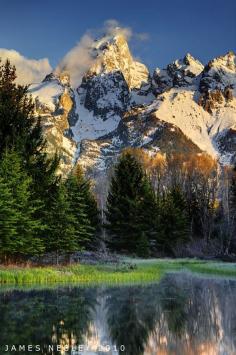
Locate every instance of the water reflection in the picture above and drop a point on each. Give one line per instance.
(183, 314)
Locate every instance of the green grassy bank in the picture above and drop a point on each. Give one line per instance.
(144, 271)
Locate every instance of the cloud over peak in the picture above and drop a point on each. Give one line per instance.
(79, 59)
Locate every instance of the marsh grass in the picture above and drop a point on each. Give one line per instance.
(149, 270)
(79, 273)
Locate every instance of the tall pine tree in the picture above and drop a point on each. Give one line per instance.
(173, 220)
(131, 208)
(91, 207)
(79, 207)
(22, 229)
(21, 130)
(62, 236)
(9, 218)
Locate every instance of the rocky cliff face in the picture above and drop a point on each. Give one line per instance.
(108, 85)
(106, 93)
(113, 54)
(55, 103)
(185, 107)
(181, 73)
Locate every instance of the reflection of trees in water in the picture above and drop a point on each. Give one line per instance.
(46, 317)
(131, 315)
(177, 316)
(134, 313)
(211, 315)
(173, 300)
(180, 314)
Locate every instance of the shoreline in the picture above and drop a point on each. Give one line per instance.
(130, 270)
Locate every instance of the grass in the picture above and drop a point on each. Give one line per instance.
(79, 273)
(193, 265)
(149, 270)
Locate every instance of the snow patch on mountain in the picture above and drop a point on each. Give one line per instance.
(220, 73)
(182, 72)
(90, 126)
(177, 106)
(47, 93)
(138, 98)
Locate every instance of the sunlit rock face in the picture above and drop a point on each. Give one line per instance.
(182, 72)
(185, 107)
(55, 104)
(217, 89)
(218, 83)
(108, 84)
(112, 54)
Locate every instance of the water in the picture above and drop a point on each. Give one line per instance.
(182, 314)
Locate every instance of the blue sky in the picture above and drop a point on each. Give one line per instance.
(49, 28)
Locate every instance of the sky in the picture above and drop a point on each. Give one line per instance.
(49, 29)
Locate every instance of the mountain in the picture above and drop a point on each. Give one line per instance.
(185, 107)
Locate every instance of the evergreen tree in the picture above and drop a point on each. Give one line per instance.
(45, 187)
(142, 247)
(91, 207)
(174, 222)
(62, 233)
(79, 208)
(21, 229)
(131, 208)
(21, 129)
(9, 217)
(148, 211)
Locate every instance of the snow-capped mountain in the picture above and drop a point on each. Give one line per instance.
(182, 72)
(186, 107)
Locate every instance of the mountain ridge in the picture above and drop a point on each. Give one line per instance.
(120, 104)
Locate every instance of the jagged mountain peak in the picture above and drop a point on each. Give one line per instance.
(226, 62)
(112, 53)
(219, 74)
(114, 80)
(181, 72)
(192, 62)
(103, 42)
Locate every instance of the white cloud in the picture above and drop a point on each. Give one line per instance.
(143, 36)
(78, 60)
(28, 70)
(113, 28)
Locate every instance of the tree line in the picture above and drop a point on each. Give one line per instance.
(39, 211)
(174, 205)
